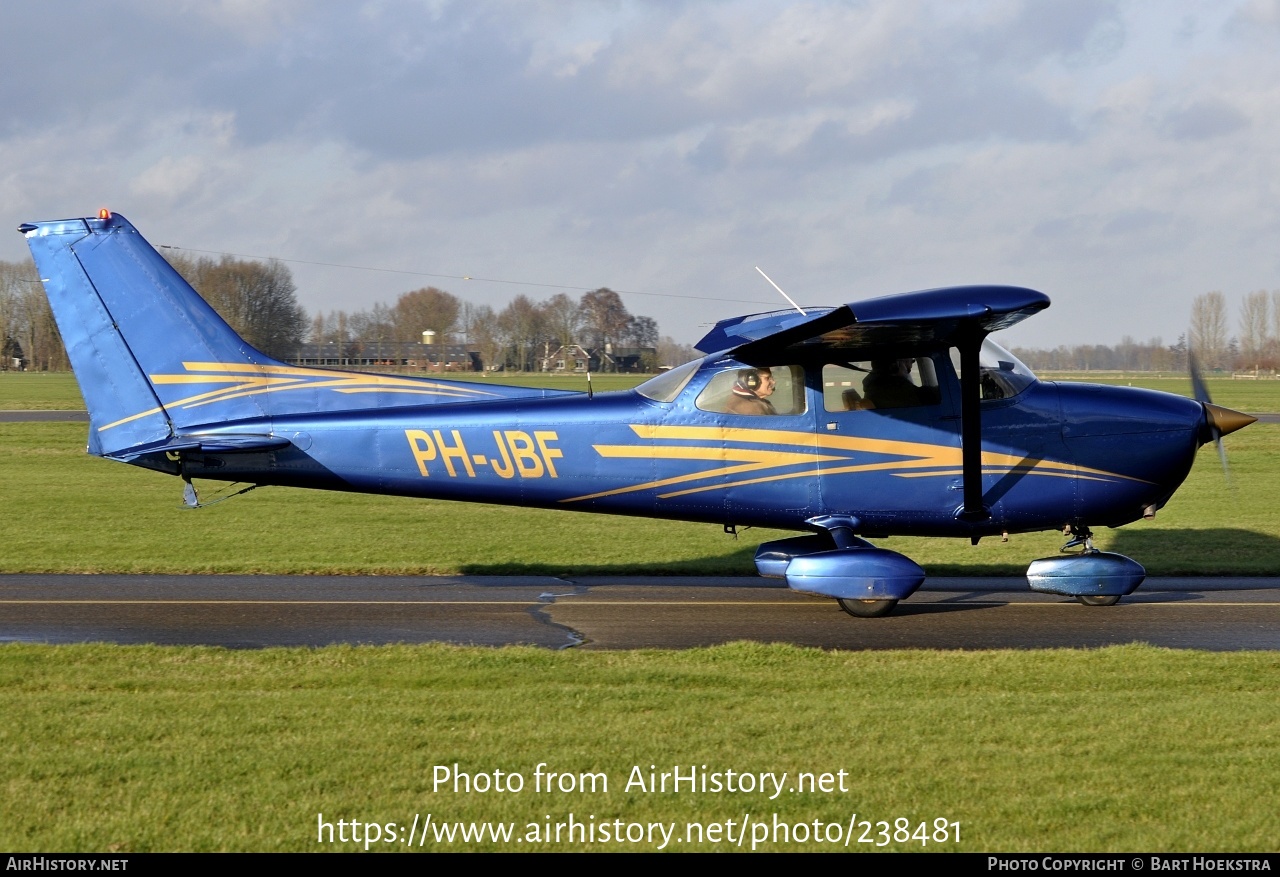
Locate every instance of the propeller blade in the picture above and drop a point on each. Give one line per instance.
(1198, 389)
(1218, 421)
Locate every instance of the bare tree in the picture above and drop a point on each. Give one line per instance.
(1255, 324)
(1273, 337)
(27, 327)
(521, 327)
(483, 333)
(1208, 331)
(370, 333)
(426, 309)
(11, 277)
(604, 319)
(671, 353)
(641, 332)
(257, 299)
(562, 318)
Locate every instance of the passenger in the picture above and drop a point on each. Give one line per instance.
(751, 392)
(889, 385)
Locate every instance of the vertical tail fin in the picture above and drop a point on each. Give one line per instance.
(156, 363)
(129, 321)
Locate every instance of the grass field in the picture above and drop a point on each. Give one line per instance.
(1123, 749)
(39, 391)
(122, 749)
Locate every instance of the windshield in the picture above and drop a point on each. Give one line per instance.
(666, 386)
(1001, 374)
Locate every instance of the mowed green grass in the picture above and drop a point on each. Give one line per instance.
(1123, 749)
(39, 391)
(1249, 396)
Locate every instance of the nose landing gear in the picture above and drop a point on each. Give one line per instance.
(1093, 577)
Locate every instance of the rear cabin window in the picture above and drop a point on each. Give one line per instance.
(882, 383)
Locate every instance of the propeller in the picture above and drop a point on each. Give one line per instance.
(1218, 421)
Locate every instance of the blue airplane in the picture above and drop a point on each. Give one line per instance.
(890, 416)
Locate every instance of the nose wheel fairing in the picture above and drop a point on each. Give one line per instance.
(1097, 574)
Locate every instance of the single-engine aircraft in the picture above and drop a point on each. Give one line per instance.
(890, 416)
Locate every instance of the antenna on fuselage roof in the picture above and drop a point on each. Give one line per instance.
(780, 292)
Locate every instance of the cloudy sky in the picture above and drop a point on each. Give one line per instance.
(1120, 156)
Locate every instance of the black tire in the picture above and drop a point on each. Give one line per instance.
(1098, 600)
(867, 608)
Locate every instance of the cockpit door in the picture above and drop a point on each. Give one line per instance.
(888, 432)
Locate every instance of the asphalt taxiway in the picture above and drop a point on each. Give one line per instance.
(1222, 614)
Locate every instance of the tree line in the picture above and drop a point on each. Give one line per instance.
(1209, 339)
(521, 336)
(259, 301)
(1128, 355)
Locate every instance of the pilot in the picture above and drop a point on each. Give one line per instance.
(889, 385)
(751, 391)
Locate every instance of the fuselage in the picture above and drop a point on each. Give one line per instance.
(1052, 453)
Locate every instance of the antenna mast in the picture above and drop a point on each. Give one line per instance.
(780, 292)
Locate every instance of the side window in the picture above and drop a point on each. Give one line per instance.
(882, 383)
(755, 391)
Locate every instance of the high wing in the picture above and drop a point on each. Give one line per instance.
(904, 324)
(893, 326)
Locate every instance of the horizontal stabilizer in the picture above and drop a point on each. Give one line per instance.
(210, 444)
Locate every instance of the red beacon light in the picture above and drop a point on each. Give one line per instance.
(104, 213)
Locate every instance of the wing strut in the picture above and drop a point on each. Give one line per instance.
(970, 345)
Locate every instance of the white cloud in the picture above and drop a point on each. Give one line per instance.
(1115, 155)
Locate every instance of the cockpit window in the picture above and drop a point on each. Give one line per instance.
(666, 386)
(1001, 374)
(882, 383)
(755, 391)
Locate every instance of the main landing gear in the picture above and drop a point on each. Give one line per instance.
(868, 582)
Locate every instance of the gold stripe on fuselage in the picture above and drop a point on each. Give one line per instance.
(811, 450)
(257, 380)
